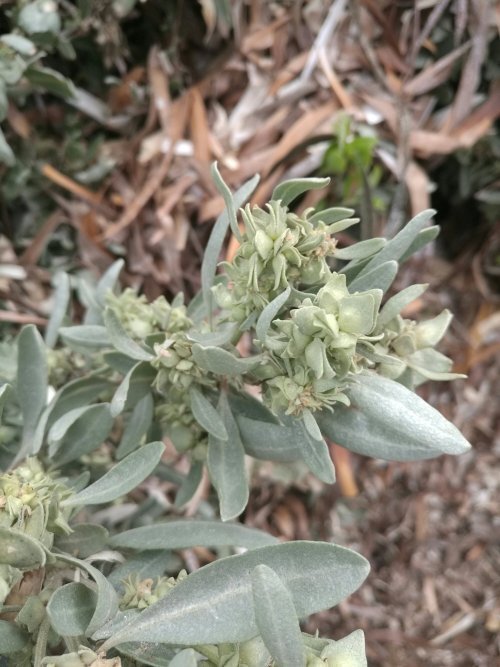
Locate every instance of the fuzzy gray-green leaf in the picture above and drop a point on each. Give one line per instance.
(20, 550)
(270, 313)
(137, 426)
(214, 604)
(221, 362)
(31, 379)
(70, 609)
(122, 478)
(226, 464)
(287, 191)
(12, 638)
(276, 618)
(61, 298)
(388, 421)
(187, 533)
(121, 340)
(206, 415)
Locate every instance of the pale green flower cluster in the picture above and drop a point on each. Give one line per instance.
(278, 249)
(29, 500)
(315, 350)
(407, 354)
(142, 593)
(141, 319)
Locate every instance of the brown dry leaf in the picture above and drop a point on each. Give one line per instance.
(419, 187)
(433, 76)
(199, 127)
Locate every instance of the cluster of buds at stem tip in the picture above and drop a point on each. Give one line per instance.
(29, 501)
(142, 593)
(279, 248)
(314, 353)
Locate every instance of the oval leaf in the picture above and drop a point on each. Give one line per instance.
(12, 638)
(388, 421)
(70, 609)
(121, 340)
(206, 415)
(20, 550)
(221, 362)
(293, 188)
(122, 478)
(214, 604)
(61, 298)
(187, 533)
(85, 434)
(32, 380)
(276, 618)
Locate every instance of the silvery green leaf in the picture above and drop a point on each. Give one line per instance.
(314, 451)
(424, 237)
(5, 391)
(137, 426)
(85, 337)
(122, 478)
(432, 365)
(19, 43)
(287, 191)
(121, 340)
(246, 405)
(401, 427)
(134, 386)
(216, 240)
(187, 533)
(221, 362)
(76, 394)
(269, 442)
(226, 465)
(214, 604)
(144, 565)
(118, 362)
(227, 195)
(107, 600)
(39, 16)
(361, 250)
(221, 336)
(12, 638)
(32, 380)
(86, 433)
(276, 618)
(337, 214)
(270, 313)
(94, 297)
(190, 484)
(148, 653)
(7, 156)
(85, 540)
(429, 332)
(348, 651)
(380, 277)
(70, 609)
(108, 281)
(20, 550)
(50, 80)
(396, 303)
(61, 298)
(206, 415)
(397, 246)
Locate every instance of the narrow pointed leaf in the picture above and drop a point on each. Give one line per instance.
(361, 250)
(121, 340)
(135, 385)
(276, 618)
(32, 382)
(396, 303)
(330, 216)
(122, 478)
(187, 533)
(5, 391)
(380, 277)
(219, 361)
(86, 432)
(137, 426)
(287, 191)
(270, 313)
(85, 540)
(206, 415)
(214, 604)
(61, 298)
(226, 464)
(190, 484)
(315, 453)
(401, 427)
(216, 240)
(85, 336)
(424, 237)
(227, 195)
(397, 246)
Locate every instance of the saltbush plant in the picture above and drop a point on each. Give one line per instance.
(291, 341)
